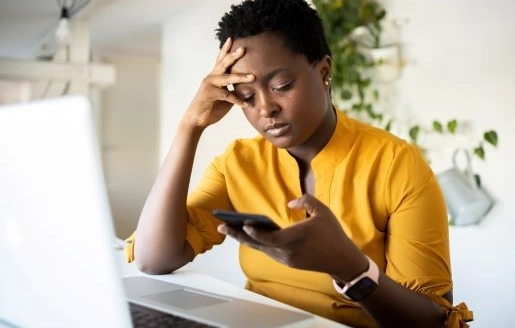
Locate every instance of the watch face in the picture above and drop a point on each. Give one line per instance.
(361, 289)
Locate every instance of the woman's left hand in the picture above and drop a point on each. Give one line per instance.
(317, 243)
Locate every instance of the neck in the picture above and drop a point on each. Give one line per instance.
(305, 152)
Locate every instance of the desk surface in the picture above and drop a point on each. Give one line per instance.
(199, 280)
(203, 281)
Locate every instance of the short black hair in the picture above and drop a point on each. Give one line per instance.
(295, 21)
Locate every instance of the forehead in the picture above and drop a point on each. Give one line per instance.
(265, 52)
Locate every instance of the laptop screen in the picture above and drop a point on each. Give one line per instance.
(58, 263)
(55, 224)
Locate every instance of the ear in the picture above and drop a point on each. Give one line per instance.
(325, 68)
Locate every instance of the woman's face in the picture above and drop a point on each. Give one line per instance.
(288, 102)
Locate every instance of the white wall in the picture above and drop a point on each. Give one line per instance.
(14, 91)
(130, 132)
(188, 53)
(461, 66)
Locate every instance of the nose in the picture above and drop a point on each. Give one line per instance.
(267, 106)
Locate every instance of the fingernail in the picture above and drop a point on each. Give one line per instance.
(248, 229)
(222, 229)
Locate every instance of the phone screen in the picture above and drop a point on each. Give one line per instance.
(238, 219)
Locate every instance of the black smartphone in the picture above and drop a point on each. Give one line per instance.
(238, 219)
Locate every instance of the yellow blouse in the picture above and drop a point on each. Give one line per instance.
(379, 187)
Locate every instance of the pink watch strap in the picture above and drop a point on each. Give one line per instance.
(372, 273)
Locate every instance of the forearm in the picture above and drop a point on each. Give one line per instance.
(161, 245)
(392, 305)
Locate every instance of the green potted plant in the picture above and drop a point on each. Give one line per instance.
(354, 30)
(449, 130)
(351, 80)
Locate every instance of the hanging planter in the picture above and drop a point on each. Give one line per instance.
(466, 201)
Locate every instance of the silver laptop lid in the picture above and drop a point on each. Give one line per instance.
(55, 224)
(58, 264)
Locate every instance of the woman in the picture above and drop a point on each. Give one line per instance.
(364, 238)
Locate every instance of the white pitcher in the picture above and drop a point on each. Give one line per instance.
(467, 202)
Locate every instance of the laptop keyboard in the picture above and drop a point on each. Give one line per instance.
(143, 317)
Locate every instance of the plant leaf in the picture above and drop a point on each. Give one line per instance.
(388, 125)
(375, 95)
(480, 152)
(437, 126)
(346, 94)
(477, 178)
(452, 125)
(413, 133)
(491, 137)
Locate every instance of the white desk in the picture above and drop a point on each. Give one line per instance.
(203, 281)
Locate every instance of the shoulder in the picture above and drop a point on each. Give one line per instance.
(249, 147)
(378, 152)
(370, 133)
(247, 151)
(373, 142)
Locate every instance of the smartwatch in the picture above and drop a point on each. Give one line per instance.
(361, 286)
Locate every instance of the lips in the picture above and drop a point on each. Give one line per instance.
(277, 129)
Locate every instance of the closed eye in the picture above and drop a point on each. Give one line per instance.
(248, 98)
(283, 87)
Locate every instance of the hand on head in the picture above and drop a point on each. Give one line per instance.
(213, 99)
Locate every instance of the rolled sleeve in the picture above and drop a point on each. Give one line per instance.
(417, 241)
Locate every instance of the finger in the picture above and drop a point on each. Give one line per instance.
(228, 81)
(221, 91)
(306, 202)
(224, 50)
(222, 228)
(225, 95)
(227, 60)
(263, 237)
(241, 236)
(237, 234)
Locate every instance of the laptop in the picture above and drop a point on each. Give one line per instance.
(58, 266)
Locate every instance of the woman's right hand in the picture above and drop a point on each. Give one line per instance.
(161, 245)
(213, 100)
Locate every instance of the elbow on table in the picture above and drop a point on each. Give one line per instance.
(154, 267)
(151, 261)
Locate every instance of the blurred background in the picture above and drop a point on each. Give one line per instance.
(140, 63)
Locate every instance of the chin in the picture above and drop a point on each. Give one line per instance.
(283, 143)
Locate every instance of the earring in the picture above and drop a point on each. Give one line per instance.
(328, 81)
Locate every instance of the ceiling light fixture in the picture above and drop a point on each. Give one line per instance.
(63, 33)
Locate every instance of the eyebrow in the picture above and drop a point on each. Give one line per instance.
(273, 73)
